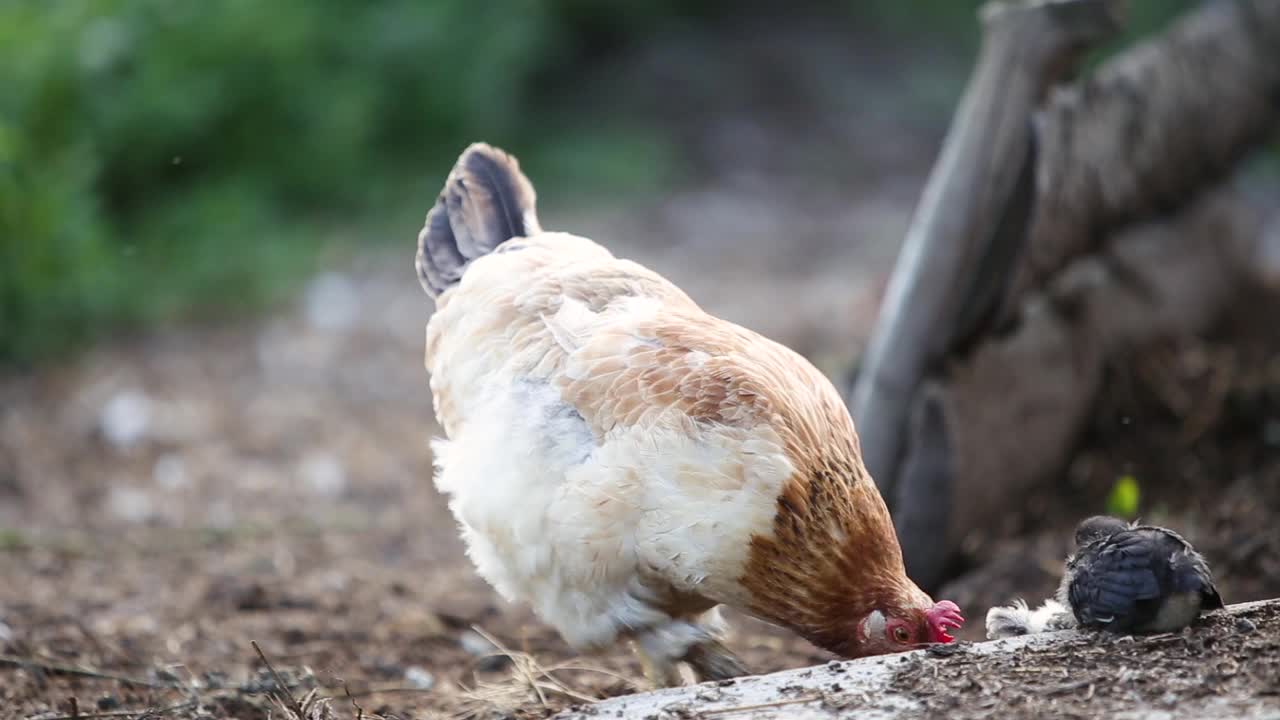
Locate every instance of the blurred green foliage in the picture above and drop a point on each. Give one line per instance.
(160, 158)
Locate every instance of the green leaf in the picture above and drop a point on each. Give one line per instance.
(1123, 498)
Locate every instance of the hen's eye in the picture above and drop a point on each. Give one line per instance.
(900, 634)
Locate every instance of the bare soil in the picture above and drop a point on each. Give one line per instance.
(1223, 666)
(1234, 658)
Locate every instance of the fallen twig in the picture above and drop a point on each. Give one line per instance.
(1068, 687)
(293, 702)
(379, 690)
(522, 668)
(762, 706)
(600, 671)
(57, 668)
(527, 677)
(529, 666)
(354, 704)
(136, 712)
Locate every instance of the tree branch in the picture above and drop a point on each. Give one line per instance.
(1006, 418)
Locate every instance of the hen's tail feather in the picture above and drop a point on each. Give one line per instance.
(439, 263)
(485, 202)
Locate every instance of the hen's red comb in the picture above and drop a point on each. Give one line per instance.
(943, 617)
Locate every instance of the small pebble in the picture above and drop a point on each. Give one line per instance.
(126, 418)
(170, 472)
(474, 643)
(418, 678)
(323, 473)
(131, 504)
(490, 661)
(1245, 625)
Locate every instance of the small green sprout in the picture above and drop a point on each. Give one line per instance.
(1123, 499)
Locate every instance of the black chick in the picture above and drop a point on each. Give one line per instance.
(1136, 578)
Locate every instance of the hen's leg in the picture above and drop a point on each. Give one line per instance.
(708, 656)
(711, 660)
(659, 668)
(662, 648)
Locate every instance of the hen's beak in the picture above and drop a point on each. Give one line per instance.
(943, 617)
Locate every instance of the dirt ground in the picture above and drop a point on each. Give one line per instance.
(1223, 658)
(1224, 666)
(167, 501)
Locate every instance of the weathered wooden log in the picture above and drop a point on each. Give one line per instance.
(1145, 135)
(1149, 130)
(964, 235)
(1023, 677)
(1138, 139)
(1006, 418)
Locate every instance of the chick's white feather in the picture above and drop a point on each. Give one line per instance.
(1019, 619)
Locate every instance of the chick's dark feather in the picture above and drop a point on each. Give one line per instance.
(1137, 579)
(1098, 527)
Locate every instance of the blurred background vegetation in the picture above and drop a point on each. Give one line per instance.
(164, 160)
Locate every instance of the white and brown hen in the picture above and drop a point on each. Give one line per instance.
(624, 462)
